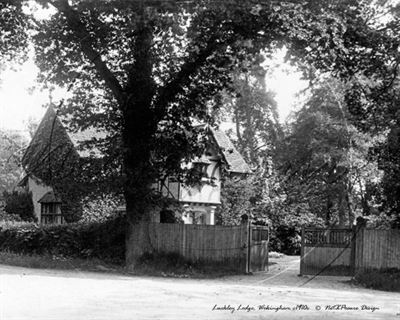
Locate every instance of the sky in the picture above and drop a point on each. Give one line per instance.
(21, 101)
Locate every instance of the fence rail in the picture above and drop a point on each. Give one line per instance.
(327, 237)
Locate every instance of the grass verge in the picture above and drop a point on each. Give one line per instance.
(175, 265)
(387, 279)
(162, 265)
(55, 262)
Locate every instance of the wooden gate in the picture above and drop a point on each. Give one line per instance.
(327, 251)
(258, 249)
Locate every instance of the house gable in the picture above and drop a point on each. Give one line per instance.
(51, 150)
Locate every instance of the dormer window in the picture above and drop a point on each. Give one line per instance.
(50, 209)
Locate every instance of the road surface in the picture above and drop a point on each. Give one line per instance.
(278, 294)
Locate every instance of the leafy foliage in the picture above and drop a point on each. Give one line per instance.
(13, 36)
(239, 196)
(387, 279)
(104, 240)
(253, 111)
(324, 158)
(389, 162)
(11, 147)
(100, 209)
(19, 203)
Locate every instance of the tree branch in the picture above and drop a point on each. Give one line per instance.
(182, 78)
(86, 42)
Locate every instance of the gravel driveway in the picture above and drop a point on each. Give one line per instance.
(277, 294)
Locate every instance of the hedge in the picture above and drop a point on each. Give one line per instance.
(384, 279)
(102, 240)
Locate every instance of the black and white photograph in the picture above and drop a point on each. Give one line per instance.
(199, 159)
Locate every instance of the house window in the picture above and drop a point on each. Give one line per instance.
(200, 168)
(51, 213)
(49, 208)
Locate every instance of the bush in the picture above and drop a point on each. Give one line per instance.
(99, 209)
(381, 221)
(105, 240)
(286, 240)
(285, 234)
(5, 217)
(387, 279)
(19, 203)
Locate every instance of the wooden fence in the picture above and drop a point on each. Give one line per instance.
(345, 251)
(378, 249)
(232, 246)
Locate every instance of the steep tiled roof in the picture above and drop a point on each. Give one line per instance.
(50, 139)
(51, 130)
(233, 158)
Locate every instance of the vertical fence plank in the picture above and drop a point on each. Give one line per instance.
(353, 250)
(302, 252)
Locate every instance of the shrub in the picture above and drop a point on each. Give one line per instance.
(286, 240)
(6, 217)
(285, 236)
(387, 279)
(99, 209)
(102, 240)
(381, 221)
(19, 203)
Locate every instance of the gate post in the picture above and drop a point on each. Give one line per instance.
(248, 262)
(354, 232)
(361, 224)
(302, 251)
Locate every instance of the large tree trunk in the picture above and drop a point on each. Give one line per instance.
(138, 132)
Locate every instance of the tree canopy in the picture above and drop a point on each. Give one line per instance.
(146, 71)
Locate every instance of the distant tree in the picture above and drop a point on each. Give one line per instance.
(325, 158)
(12, 146)
(239, 196)
(31, 125)
(19, 203)
(13, 35)
(389, 161)
(253, 111)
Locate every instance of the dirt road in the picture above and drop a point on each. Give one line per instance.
(278, 294)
